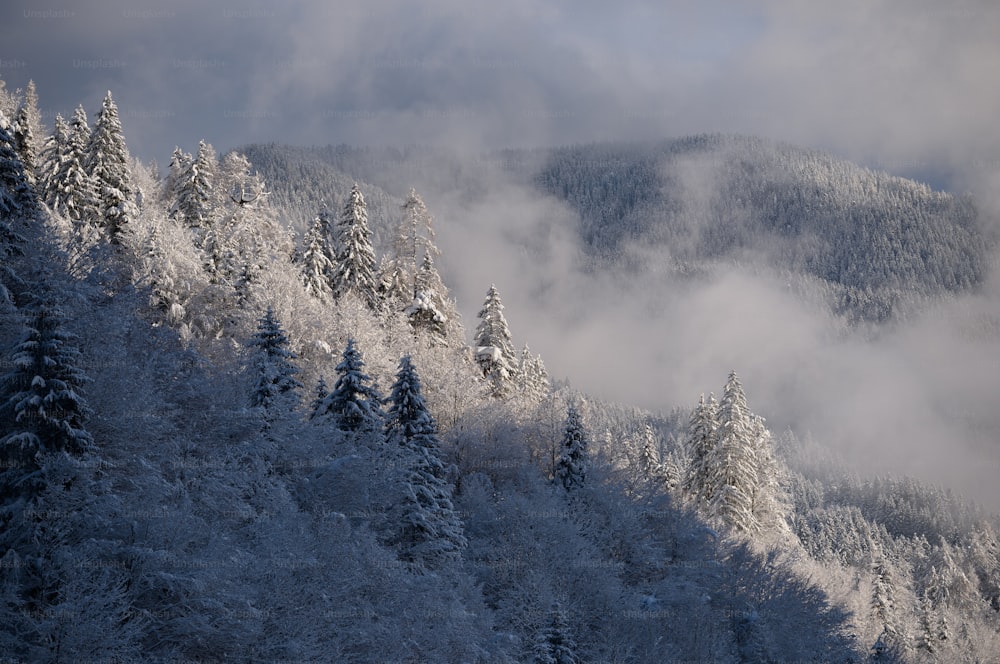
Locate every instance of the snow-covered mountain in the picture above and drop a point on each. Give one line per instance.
(219, 442)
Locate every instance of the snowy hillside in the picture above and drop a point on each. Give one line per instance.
(224, 441)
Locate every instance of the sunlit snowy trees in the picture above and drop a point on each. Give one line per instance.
(732, 473)
(108, 165)
(494, 351)
(354, 263)
(317, 257)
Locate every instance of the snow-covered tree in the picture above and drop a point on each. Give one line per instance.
(321, 392)
(883, 600)
(317, 257)
(533, 379)
(427, 530)
(275, 390)
(736, 479)
(17, 197)
(494, 351)
(554, 643)
(72, 191)
(192, 181)
(354, 404)
(701, 446)
(571, 468)
(354, 263)
(24, 142)
(412, 244)
(54, 149)
(430, 310)
(43, 410)
(108, 165)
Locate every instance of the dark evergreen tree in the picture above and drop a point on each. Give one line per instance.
(354, 264)
(275, 390)
(571, 469)
(354, 404)
(17, 204)
(322, 392)
(554, 643)
(24, 142)
(17, 197)
(43, 411)
(427, 530)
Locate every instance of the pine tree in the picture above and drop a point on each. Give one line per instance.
(533, 379)
(928, 639)
(55, 148)
(736, 480)
(28, 134)
(354, 264)
(72, 190)
(108, 164)
(17, 196)
(701, 445)
(494, 351)
(193, 182)
(24, 142)
(571, 469)
(428, 530)
(883, 602)
(355, 403)
(431, 310)
(275, 391)
(317, 258)
(554, 643)
(42, 411)
(17, 205)
(321, 392)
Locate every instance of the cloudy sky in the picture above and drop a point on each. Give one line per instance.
(903, 84)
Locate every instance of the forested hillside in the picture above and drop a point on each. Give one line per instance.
(878, 244)
(224, 441)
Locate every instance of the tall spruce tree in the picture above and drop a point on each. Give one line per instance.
(494, 351)
(431, 310)
(17, 197)
(275, 390)
(736, 473)
(24, 142)
(54, 149)
(72, 190)
(43, 411)
(354, 264)
(427, 529)
(317, 257)
(108, 164)
(701, 443)
(571, 469)
(354, 404)
(193, 181)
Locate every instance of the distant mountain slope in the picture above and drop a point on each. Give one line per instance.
(876, 241)
(875, 236)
